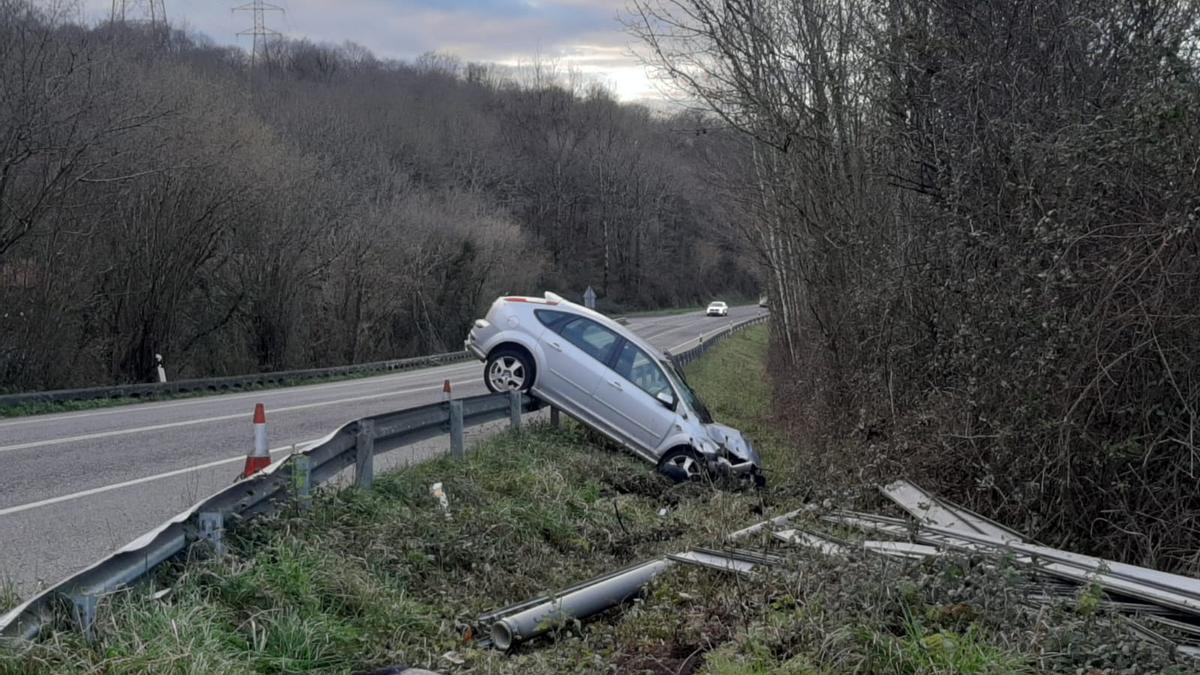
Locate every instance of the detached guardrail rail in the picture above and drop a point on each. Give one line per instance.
(232, 382)
(288, 481)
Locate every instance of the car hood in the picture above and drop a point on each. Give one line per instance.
(734, 441)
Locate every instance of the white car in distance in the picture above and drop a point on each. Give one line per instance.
(717, 308)
(608, 378)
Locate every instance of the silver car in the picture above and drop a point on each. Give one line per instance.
(596, 371)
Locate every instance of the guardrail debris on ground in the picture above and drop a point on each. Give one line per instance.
(1157, 606)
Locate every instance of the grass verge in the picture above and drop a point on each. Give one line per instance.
(372, 579)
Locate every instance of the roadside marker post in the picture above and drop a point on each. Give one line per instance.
(259, 457)
(555, 418)
(446, 390)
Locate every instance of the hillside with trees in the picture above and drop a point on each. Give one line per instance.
(980, 225)
(160, 195)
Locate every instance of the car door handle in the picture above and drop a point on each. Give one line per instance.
(616, 385)
(557, 347)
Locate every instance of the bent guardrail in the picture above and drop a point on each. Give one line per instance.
(218, 384)
(288, 481)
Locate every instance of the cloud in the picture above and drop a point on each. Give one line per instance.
(586, 34)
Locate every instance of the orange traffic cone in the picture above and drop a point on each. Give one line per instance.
(259, 457)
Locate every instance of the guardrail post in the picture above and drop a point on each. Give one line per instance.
(364, 459)
(84, 609)
(456, 430)
(302, 480)
(555, 418)
(212, 530)
(514, 409)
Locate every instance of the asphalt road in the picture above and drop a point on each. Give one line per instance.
(76, 486)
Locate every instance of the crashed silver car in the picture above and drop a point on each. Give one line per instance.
(596, 371)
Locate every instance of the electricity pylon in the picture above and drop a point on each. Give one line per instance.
(152, 11)
(262, 34)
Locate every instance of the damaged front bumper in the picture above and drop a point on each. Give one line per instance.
(747, 469)
(730, 454)
(724, 466)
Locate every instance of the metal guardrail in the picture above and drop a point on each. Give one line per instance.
(710, 340)
(216, 384)
(289, 481)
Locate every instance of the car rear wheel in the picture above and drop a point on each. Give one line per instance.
(508, 369)
(682, 464)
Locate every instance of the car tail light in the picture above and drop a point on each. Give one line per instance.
(537, 301)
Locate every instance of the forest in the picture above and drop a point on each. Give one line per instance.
(317, 205)
(979, 225)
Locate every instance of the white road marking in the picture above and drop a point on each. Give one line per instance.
(137, 481)
(221, 398)
(218, 418)
(664, 331)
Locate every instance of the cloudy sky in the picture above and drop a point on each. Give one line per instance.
(584, 34)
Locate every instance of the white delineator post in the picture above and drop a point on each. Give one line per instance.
(260, 456)
(162, 372)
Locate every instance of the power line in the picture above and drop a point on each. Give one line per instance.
(153, 12)
(262, 34)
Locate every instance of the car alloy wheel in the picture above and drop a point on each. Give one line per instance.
(689, 465)
(683, 464)
(507, 372)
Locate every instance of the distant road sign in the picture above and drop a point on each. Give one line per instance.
(589, 298)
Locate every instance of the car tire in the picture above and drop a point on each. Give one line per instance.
(683, 465)
(507, 369)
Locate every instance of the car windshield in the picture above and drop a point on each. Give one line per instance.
(689, 396)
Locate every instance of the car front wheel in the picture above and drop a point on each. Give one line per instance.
(682, 464)
(508, 369)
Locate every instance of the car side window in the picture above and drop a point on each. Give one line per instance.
(634, 365)
(550, 318)
(594, 339)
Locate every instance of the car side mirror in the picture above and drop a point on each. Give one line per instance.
(665, 398)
